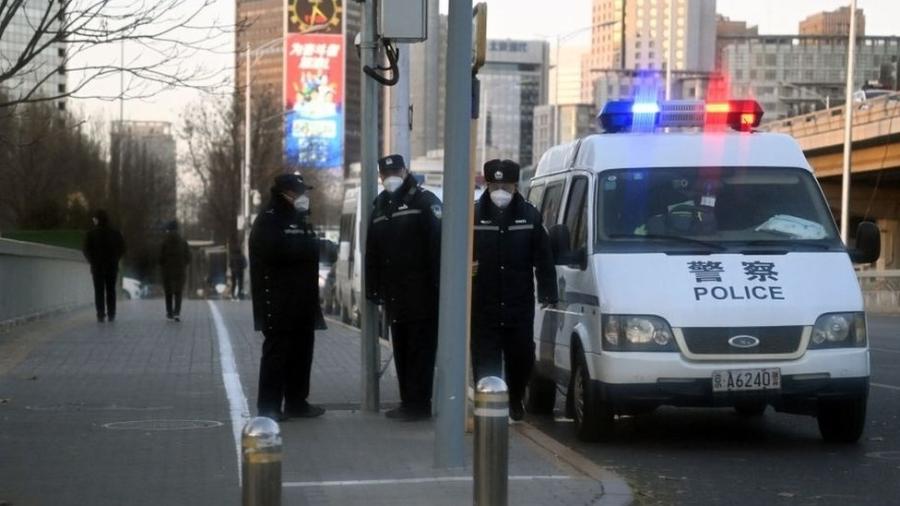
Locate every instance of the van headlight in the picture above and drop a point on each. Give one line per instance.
(839, 330)
(637, 333)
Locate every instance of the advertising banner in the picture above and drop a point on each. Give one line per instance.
(314, 84)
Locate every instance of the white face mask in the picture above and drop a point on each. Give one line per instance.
(301, 203)
(501, 198)
(392, 183)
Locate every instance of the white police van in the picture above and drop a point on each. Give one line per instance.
(699, 267)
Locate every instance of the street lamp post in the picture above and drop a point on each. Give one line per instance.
(848, 127)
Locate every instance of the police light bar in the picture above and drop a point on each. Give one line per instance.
(622, 115)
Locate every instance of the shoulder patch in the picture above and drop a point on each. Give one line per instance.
(437, 211)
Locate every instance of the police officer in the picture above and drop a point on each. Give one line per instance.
(284, 273)
(402, 272)
(511, 249)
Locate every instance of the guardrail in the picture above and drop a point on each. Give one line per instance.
(881, 290)
(36, 280)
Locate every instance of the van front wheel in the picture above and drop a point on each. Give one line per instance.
(593, 418)
(842, 421)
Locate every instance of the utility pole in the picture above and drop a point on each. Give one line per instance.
(245, 170)
(399, 112)
(369, 128)
(848, 127)
(671, 51)
(450, 374)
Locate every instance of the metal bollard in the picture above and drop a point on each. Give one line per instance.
(491, 465)
(261, 463)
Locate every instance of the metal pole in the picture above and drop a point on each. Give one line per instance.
(245, 172)
(671, 51)
(400, 108)
(261, 463)
(848, 127)
(491, 467)
(556, 95)
(368, 312)
(455, 285)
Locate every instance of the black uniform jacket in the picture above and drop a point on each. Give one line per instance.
(511, 248)
(403, 252)
(174, 257)
(284, 271)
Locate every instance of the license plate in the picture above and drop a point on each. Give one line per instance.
(742, 380)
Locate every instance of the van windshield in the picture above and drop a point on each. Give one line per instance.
(713, 209)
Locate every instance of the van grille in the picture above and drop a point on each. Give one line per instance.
(715, 340)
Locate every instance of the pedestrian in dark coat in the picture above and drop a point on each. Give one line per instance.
(238, 264)
(511, 249)
(284, 274)
(103, 248)
(174, 257)
(402, 272)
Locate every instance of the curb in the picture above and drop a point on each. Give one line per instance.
(616, 491)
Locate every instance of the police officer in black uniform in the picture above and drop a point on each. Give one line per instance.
(402, 272)
(284, 273)
(511, 249)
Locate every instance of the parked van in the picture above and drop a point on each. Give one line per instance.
(697, 268)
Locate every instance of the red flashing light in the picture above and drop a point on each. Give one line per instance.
(741, 115)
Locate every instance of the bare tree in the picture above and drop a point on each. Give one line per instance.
(166, 36)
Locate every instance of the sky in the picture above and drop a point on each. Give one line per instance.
(506, 19)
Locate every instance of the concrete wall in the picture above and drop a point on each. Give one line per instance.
(36, 279)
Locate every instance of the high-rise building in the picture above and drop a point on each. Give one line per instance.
(46, 74)
(635, 35)
(265, 23)
(143, 159)
(790, 74)
(725, 28)
(565, 75)
(575, 121)
(428, 87)
(836, 22)
(513, 82)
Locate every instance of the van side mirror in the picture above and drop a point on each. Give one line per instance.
(868, 244)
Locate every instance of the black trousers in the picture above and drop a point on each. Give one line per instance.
(173, 288)
(415, 347)
(284, 371)
(105, 291)
(494, 347)
(237, 284)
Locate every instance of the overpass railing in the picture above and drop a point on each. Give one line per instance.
(881, 290)
(36, 280)
(829, 120)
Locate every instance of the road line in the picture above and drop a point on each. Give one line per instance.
(237, 403)
(889, 387)
(411, 481)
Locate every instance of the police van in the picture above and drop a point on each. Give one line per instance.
(698, 265)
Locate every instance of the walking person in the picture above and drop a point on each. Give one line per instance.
(238, 264)
(174, 257)
(284, 273)
(511, 250)
(103, 248)
(402, 273)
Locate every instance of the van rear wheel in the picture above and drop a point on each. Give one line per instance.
(842, 421)
(540, 395)
(594, 419)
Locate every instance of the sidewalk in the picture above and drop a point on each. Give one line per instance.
(69, 383)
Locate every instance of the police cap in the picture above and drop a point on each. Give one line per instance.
(501, 171)
(290, 182)
(391, 162)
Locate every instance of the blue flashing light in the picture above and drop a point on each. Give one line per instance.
(617, 115)
(645, 108)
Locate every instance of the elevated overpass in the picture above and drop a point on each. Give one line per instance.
(875, 163)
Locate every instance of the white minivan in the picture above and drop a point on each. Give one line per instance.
(700, 267)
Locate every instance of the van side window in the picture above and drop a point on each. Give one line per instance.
(576, 214)
(552, 201)
(535, 195)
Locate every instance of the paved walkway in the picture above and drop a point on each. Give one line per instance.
(140, 412)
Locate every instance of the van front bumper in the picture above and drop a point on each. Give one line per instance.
(637, 382)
